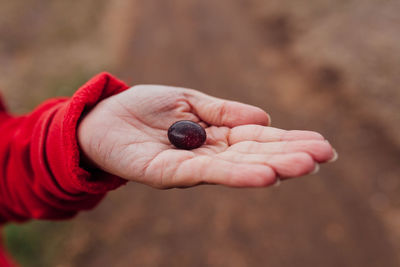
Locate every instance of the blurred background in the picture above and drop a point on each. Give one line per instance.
(328, 66)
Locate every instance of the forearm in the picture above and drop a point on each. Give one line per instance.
(40, 168)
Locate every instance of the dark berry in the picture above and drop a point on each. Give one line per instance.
(186, 135)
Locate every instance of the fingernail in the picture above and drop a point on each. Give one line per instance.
(316, 169)
(277, 182)
(335, 156)
(269, 119)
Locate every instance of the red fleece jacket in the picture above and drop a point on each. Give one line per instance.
(41, 176)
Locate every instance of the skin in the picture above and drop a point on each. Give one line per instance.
(126, 135)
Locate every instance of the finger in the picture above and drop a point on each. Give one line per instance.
(218, 171)
(321, 151)
(269, 134)
(220, 112)
(285, 165)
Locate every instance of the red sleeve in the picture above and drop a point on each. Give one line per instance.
(40, 171)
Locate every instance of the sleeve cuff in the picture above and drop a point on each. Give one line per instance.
(71, 176)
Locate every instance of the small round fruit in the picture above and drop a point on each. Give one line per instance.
(186, 135)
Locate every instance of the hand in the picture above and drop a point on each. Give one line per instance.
(126, 135)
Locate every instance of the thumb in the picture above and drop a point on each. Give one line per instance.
(221, 112)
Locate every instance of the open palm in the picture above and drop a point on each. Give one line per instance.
(126, 135)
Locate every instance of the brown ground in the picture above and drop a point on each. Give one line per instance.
(329, 66)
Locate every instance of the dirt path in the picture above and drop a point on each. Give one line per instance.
(222, 48)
